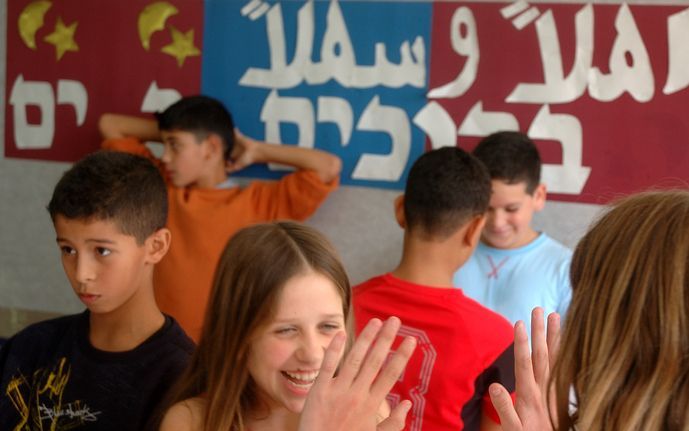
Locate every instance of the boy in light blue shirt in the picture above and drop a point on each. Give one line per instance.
(515, 268)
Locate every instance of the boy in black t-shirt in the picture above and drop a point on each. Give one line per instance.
(108, 367)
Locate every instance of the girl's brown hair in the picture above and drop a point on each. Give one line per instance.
(625, 347)
(254, 267)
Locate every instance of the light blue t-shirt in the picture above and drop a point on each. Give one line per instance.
(512, 282)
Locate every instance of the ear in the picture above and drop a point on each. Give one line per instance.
(539, 196)
(399, 211)
(157, 245)
(214, 147)
(472, 233)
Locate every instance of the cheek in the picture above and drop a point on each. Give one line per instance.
(270, 355)
(68, 266)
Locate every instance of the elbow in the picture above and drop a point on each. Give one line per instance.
(332, 169)
(106, 126)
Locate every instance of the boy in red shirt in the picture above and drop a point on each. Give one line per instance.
(462, 347)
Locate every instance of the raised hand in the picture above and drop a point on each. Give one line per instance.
(530, 411)
(243, 153)
(350, 400)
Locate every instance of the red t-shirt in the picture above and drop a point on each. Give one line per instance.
(462, 347)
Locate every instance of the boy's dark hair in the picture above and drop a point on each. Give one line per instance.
(445, 188)
(109, 185)
(511, 157)
(200, 115)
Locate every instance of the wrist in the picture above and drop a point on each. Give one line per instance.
(261, 152)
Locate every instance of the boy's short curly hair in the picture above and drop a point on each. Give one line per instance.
(200, 115)
(445, 188)
(109, 185)
(511, 157)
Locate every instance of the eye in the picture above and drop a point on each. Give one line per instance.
(102, 251)
(330, 326)
(287, 330)
(512, 209)
(66, 250)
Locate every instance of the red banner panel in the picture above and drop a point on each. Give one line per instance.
(70, 61)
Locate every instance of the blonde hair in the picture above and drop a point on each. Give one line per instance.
(625, 347)
(254, 267)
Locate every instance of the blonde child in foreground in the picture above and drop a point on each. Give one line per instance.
(272, 340)
(623, 361)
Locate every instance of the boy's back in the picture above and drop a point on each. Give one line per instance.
(53, 378)
(462, 346)
(109, 367)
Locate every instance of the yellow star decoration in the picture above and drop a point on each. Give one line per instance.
(63, 38)
(182, 46)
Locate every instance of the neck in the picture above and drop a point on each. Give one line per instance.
(215, 176)
(281, 419)
(429, 262)
(128, 326)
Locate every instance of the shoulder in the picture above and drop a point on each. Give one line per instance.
(47, 330)
(368, 284)
(555, 248)
(177, 338)
(187, 415)
(171, 346)
(485, 324)
(37, 345)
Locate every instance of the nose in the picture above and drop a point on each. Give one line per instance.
(167, 154)
(85, 270)
(311, 349)
(495, 219)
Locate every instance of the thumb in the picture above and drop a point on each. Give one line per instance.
(503, 405)
(397, 418)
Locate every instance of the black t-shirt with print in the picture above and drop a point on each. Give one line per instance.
(52, 378)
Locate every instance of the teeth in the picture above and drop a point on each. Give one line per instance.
(303, 377)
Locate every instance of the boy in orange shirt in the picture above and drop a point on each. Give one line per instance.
(201, 147)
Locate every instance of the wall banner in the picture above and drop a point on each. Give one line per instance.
(601, 88)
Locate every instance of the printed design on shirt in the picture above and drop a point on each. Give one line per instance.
(417, 393)
(495, 268)
(39, 401)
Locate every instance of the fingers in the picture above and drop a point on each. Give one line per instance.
(393, 369)
(378, 353)
(503, 405)
(352, 363)
(397, 419)
(553, 337)
(332, 357)
(523, 368)
(539, 349)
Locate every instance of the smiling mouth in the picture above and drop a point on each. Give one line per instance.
(304, 380)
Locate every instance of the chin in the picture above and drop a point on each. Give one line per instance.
(295, 406)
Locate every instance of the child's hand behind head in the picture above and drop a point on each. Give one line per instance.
(244, 153)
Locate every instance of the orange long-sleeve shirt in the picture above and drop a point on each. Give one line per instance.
(203, 220)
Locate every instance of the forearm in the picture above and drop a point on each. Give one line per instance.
(114, 126)
(326, 165)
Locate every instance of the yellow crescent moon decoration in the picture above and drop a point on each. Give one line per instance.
(31, 19)
(152, 18)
